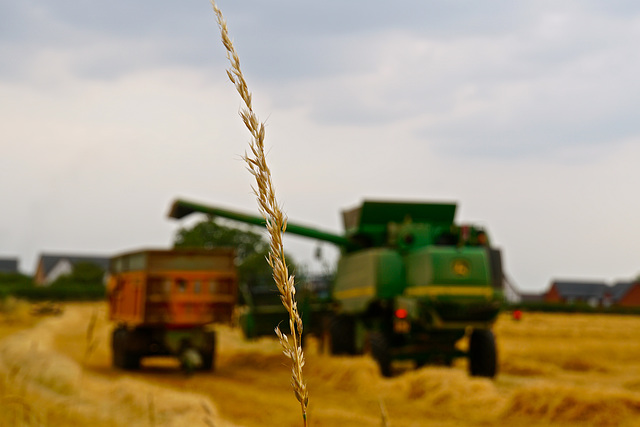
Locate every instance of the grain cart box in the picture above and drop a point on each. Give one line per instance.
(164, 303)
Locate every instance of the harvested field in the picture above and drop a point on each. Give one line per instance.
(555, 369)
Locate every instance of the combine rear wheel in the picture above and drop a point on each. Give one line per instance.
(379, 345)
(482, 354)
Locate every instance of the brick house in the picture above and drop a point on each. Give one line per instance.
(568, 292)
(627, 294)
(595, 294)
(51, 266)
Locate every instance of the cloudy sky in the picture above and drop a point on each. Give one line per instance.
(524, 113)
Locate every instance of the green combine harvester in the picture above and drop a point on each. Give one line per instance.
(410, 284)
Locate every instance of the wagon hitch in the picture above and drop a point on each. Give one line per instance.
(190, 360)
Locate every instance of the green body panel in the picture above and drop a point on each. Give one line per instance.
(446, 265)
(370, 223)
(450, 287)
(263, 312)
(265, 324)
(368, 275)
(372, 215)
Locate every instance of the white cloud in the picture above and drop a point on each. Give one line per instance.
(95, 165)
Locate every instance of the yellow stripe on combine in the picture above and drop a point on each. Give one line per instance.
(367, 291)
(434, 291)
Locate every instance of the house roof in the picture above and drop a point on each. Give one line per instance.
(568, 289)
(8, 265)
(531, 297)
(48, 261)
(620, 289)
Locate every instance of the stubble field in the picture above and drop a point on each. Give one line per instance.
(555, 369)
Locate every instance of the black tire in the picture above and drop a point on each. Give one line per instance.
(208, 362)
(123, 357)
(208, 353)
(483, 360)
(379, 345)
(117, 348)
(131, 361)
(342, 333)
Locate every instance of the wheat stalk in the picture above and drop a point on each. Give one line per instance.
(90, 338)
(276, 221)
(384, 416)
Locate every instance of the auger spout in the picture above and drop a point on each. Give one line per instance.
(182, 208)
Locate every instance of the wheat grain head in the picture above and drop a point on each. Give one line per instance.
(276, 221)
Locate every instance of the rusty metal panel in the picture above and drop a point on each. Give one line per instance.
(190, 261)
(174, 288)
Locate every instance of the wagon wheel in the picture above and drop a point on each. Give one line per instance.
(117, 347)
(208, 353)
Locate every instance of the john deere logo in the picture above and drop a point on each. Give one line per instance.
(461, 268)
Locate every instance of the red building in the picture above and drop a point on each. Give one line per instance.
(595, 294)
(627, 294)
(592, 293)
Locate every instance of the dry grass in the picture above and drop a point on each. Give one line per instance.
(40, 386)
(14, 312)
(91, 342)
(538, 384)
(275, 220)
(552, 345)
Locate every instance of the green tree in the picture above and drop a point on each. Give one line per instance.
(84, 274)
(15, 280)
(251, 248)
(255, 270)
(209, 234)
(10, 283)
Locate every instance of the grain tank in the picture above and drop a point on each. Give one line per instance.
(164, 302)
(410, 283)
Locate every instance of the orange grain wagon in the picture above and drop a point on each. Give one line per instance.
(164, 302)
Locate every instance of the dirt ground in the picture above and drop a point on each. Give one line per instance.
(555, 370)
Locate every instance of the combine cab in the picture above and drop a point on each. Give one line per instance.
(410, 283)
(164, 303)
